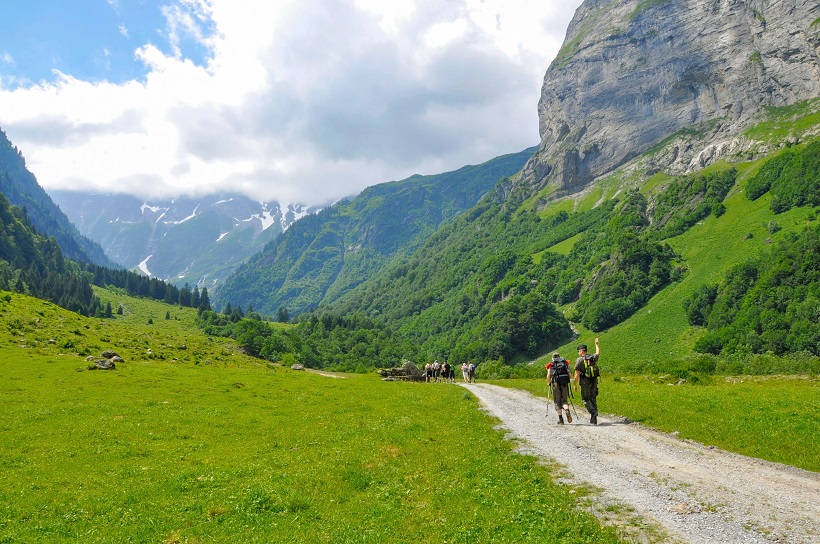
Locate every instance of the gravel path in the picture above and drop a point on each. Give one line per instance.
(658, 488)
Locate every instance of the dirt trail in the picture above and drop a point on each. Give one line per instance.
(681, 491)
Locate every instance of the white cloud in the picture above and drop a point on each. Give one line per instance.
(389, 13)
(298, 101)
(123, 31)
(186, 19)
(7, 58)
(443, 33)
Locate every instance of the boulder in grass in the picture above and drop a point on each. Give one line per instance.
(102, 364)
(408, 372)
(106, 361)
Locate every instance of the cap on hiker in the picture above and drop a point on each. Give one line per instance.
(582, 346)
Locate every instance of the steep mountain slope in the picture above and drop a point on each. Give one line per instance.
(634, 72)
(184, 240)
(637, 235)
(321, 257)
(35, 265)
(21, 189)
(620, 263)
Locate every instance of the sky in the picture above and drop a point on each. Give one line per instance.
(298, 101)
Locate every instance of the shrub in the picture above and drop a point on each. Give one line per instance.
(699, 305)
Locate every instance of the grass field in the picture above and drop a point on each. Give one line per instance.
(195, 442)
(203, 444)
(772, 418)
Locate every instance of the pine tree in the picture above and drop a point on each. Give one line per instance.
(204, 302)
(185, 296)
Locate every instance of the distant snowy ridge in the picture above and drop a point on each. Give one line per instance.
(195, 240)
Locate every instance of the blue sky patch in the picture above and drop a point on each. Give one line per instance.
(90, 40)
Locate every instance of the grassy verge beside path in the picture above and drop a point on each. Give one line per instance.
(772, 418)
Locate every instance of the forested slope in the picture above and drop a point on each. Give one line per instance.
(21, 189)
(321, 257)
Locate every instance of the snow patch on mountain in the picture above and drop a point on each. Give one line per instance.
(265, 217)
(144, 266)
(193, 214)
(293, 213)
(146, 206)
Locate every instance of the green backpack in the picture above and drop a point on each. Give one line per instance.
(591, 370)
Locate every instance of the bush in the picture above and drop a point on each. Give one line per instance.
(704, 364)
(699, 305)
(712, 343)
(493, 370)
(793, 179)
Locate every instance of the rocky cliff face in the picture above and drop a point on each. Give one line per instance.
(631, 73)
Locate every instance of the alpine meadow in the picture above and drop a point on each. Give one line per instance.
(671, 212)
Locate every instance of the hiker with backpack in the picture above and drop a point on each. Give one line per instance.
(558, 378)
(445, 371)
(587, 373)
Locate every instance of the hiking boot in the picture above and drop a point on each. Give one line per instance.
(594, 419)
(560, 420)
(569, 417)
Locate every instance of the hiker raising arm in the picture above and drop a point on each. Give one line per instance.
(586, 373)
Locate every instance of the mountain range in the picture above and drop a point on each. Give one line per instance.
(677, 166)
(183, 240)
(632, 73)
(654, 117)
(322, 257)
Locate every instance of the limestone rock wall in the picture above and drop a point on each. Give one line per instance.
(632, 73)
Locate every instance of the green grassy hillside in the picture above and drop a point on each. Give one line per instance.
(660, 331)
(196, 442)
(619, 258)
(321, 257)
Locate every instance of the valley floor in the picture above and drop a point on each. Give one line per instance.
(658, 488)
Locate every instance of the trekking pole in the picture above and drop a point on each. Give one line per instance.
(549, 397)
(571, 397)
